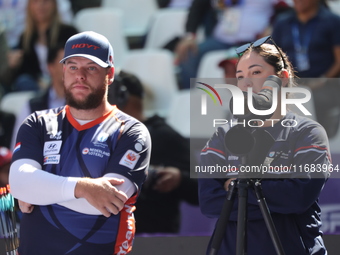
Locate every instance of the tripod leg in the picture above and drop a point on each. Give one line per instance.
(267, 218)
(223, 220)
(241, 238)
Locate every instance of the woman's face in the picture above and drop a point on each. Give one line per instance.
(252, 71)
(42, 10)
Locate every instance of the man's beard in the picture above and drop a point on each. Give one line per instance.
(92, 101)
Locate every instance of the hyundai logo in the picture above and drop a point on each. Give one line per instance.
(52, 146)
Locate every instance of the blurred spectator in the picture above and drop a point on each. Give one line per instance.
(13, 15)
(51, 97)
(309, 35)
(233, 23)
(228, 66)
(5, 163)
(43, 30)
(168, 181)
(77, 5)
(3, 58)
(7, 121)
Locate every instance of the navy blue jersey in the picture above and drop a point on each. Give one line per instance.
(291, 201)
(114, 143)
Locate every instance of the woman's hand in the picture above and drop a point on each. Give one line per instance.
(227, 183)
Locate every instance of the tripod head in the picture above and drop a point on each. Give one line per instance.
(251, 146)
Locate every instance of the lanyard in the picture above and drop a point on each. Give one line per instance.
(301, 44)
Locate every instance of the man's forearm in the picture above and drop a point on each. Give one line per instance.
(32, 185)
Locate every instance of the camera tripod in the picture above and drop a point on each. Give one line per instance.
(242, 184)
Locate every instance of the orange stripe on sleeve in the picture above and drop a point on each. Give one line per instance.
(126, 230)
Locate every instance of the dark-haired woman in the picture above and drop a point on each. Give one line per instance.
(293, 200)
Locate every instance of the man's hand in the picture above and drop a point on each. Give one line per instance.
(102, 194)
(168, 179)
(25, 207)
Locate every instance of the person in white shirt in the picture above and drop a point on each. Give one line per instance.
(237, 22)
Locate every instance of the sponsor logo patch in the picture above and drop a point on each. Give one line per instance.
(86, 151)
(232, 157)
(129, 159)
(52, 147)
(271, 154)
(52, 159)
(95, 152)
(102, 137)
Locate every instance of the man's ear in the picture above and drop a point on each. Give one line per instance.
(284, 75)
(111, 74)
(64, 68)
